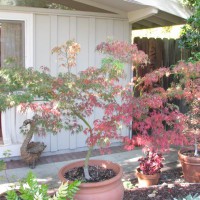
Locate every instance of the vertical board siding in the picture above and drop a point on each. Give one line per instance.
(100, 32)
(42, 41)
(54, 30)
(63, 29)
(83, 29)
(63, 34)
(54, 69)
(83, 40)
(101, 36)
(53, 43)
(127, 31)
(73, 35)
(110, 28)
(118, 30)
(43, 56)
(19, 122)
(127, 38)
(92, 42)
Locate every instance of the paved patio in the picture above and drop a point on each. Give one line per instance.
(48, 166)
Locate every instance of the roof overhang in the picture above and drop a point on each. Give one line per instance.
(140, 13)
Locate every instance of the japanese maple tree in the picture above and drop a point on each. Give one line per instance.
(156, 120)
(69, 100)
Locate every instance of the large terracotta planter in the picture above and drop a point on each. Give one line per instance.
(111, 189)
(190, 167)
(147, 180)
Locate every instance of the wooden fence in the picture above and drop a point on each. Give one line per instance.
(162, 52)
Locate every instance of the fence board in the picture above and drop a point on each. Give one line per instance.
(159, 52)
(145, 45)
(166, 52)
(152, 53)
(177, 51)
(171, 52)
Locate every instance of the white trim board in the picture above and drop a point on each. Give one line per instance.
(58, 12)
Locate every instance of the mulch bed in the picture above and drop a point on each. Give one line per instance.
(171, 185)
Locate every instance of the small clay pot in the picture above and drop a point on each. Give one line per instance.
(147, 180)
(111, 189)
(190, 166)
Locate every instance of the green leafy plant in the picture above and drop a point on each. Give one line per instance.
(6, 154)
(189, 3)
(66, 190)
(2, 165)
(190, 197)
(128, 185)
(190, 33)
(30, 189)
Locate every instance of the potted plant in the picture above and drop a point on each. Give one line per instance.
(190, 157)
(68, 99)
(160, 123)
(148, 172)
(190, 37)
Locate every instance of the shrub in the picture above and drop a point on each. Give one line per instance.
(31, 190)
(151, 163)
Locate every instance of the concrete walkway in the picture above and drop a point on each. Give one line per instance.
(47, 173)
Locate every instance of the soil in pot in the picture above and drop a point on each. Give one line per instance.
(109, 185)
(190, 165)
(96, 173)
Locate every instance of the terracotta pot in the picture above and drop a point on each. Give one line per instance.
(111, 189)
(190, 166)
(147, 180)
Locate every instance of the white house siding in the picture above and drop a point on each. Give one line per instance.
(52, 29)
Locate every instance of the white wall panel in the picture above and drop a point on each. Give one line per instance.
(63, 141)
(53, 43)
(83, 39)
(63, 29)
(82, 61)
(101, 35)
(110, 28)
(42, 40)
(118, 30)
(43, 55)
(54, 29)
(63, 34)
(92, 42)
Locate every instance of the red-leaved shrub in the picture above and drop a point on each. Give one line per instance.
(151, 163)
